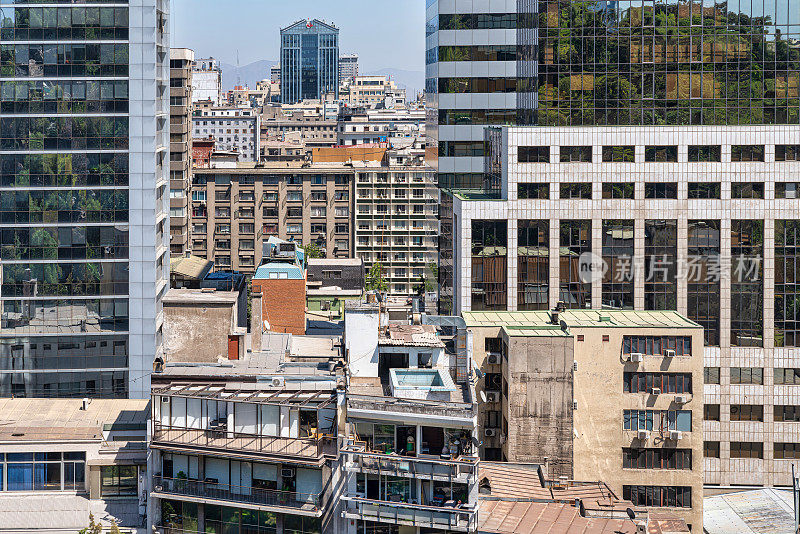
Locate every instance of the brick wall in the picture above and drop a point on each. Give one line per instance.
(283, 304)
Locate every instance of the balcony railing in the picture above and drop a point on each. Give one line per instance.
(426, 467)
(240, 495)
(389, 404)
(223, 439)
(451, 519)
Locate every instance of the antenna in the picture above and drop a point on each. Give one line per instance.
(238, 69)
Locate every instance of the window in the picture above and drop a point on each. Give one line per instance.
(787, 289)
(533, 154)
(222, 229)
(119, 481)
(661, 191)
(294, 212)
(199, 196)
(247, 228)
(711, 375)
(666, 382)
(787, 377)
(747, 190)
(617, 191)
(657, 420)
(533, 191)
(533, 269)
(747, 412)
(575, 191)
(247, 244)
(619, 154)
(659, 496)
(711, 449)
(787, 190)
(747, 153)
(711, 412)
(747, 375)
(575, 154)
(489, 273)
(786, 451)
(618, 251)
(294, 228)
(660, 262)
(42, 471)
(787, 152)
(703, 288)
(787, 414)
(492, 419)
(744, 449)
(704, 190)
(294, 196)
(705, 153)
(575, 239)
(747, 288)
(653, 458)
(661, 154)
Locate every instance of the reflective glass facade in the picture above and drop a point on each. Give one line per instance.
(309, 61)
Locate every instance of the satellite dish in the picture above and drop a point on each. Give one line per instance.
(483, 396)
(630, 513)
(581, 508)
(541, 475)
(266, 324)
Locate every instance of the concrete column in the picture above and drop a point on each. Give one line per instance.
(201, 517)
(256, 322)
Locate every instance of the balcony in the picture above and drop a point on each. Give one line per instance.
(240, 496)
(424, 467)
(451, 519)
(312, 448)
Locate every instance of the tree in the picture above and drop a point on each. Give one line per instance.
(312, 250)
(93, 528)
(375, 280)
(114, 528)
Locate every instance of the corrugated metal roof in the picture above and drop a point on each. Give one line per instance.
(762, 511)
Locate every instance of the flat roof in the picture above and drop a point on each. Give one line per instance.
(64, 419)
(292, 271)
(760, 511)
(531, 320)
(200, 296)
(336, 262)
(410, 335)
(191, 267)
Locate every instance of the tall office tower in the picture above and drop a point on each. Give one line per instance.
(84, 227)
(666, 149)
(309, 61)
(348, 67)
(180, 148)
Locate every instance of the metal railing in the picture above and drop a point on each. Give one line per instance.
(224, 439)
(429, 467)
(400, 513)
(236, 494)
(388, 404)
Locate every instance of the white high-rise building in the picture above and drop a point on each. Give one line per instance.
(84, 220)
(207, 81)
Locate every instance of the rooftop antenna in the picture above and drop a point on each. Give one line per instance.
(238, 69)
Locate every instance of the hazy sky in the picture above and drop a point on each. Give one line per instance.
(383, 33)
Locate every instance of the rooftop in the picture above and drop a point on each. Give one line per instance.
(529, 320)
(407, 335)
(277, 268)
(191, 267)
(761, 511)
(64, 419)
(200, 296)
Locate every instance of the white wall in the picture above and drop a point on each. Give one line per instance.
(361, 342)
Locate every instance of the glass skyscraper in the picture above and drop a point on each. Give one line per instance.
(84, 221)
(309, 61)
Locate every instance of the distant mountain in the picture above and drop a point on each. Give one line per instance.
(412, 80)
(248, 75)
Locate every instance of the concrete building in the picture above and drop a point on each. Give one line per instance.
(275, 74)
(235, 209)
(64, 459)
(85, 244)
(568, 389)
(393, 127)
(180, 148)
(233, 129)
(330, 283)
(279, 288)
(348, 67)
(371, 91)
(249, 446)
(409, 457)
(313, 129)
(207, 81)
(309, 61)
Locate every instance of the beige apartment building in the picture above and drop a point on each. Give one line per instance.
(369, 91)
(180, 147)
(597, 395)
(313, 129)
(234, 210)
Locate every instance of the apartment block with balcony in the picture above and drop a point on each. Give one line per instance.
(409, 456)
(396, 222)
(603, 395)
(180, 149)
(247, 447)
(235, 210)
(235, 130)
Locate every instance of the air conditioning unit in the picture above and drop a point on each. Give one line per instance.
(642, 434)
(492, 396)
(574, 405)
(669, 353)
(656, 391)
(681, 399)
(158, 488)
(490, 432)
(287, 472)
(493, 359)
(636, 357)
(165, 400)
(278, 382)
(675, 435)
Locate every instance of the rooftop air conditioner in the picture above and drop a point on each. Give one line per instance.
(492, 396)
(669, 353)
(642, 434)
(656, 391)
(493, 359)
(636, 357)
(490, 432)
(681, 399)
(278, 382)
(675, 435)
(287, 472)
